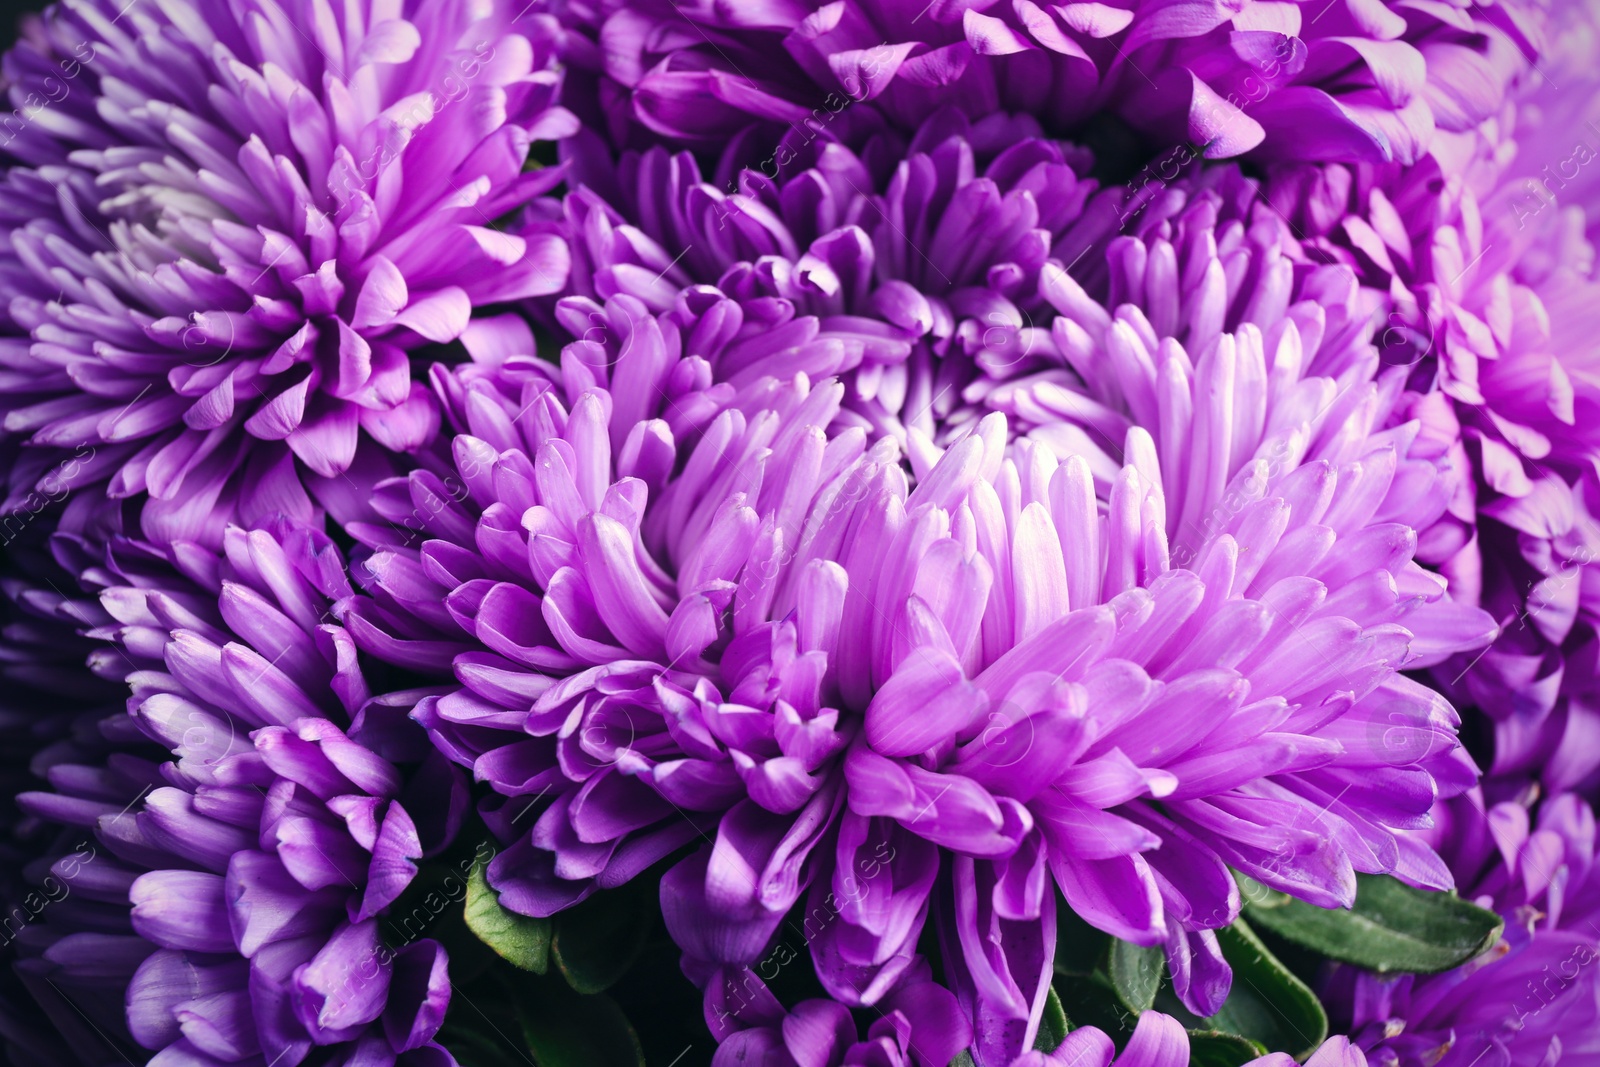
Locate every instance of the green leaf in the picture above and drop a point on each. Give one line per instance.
(1082, 981)
(1393, 928)
(1135, 974)
(1093, 1002)
(520, 940)
(597, 941)
(563, 1029)
(473, 1048)
(481, 1028)
(1267, 1003)
(1209, 1048)
(1103, 982)
(1054, 1026)
(963, 1059)
(1080, 948)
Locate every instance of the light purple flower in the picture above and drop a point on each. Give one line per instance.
(862, 684)
(934, 692)
(1360, 81)
(1029, 678)
(227, 226)
(1556, 124)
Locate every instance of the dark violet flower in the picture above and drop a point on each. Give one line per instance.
(1360, 80)
(52, 711)
(915, 1029)
(260, 862)
(919, 1023)
(49, 699)
(227, 225)
(1160, 1041)
(1534, 998)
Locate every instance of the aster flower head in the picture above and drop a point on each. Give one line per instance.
(1533, 997)
(910, 279)
(915, 1029)
(1034, 737)
(237, 894)
(972, 686)
(1160, 1041)
(933, 276)
(1353, 80)
(1485, 252)
(227, 226)
(597, 572)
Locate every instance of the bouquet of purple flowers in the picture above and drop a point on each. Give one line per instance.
(786, 533)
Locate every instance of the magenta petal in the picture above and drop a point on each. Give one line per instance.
(1116, 895)
(927, 700)
(1158, 1041)
(419, 995)
(346, 984)
(1000, 969)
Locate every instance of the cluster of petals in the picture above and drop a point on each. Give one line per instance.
(227, 904)
(1534, 997)
(1358, 80)
(671, 605)
(1485, 250)
(227, 226)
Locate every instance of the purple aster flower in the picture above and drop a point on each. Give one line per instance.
(1534, 998)
(260, 863)
(919, 1023)
(1160, 1041)
(597, 571)
(1366, 81)
(1035, 737)
(931, 702)
(1495, 294)
(937, 286)
(839, 238)
(227, 227)
(913, 1027)
(872, 690)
